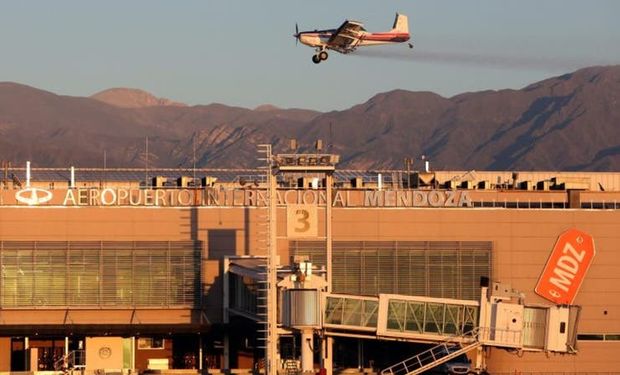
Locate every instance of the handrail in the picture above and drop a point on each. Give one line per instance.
(444, 351)
(73, 359)
(433, 356)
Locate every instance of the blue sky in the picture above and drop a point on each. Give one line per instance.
(243, 53)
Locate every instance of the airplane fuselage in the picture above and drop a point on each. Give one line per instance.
(319, 38)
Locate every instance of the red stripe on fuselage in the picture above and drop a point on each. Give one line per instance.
(386, 37)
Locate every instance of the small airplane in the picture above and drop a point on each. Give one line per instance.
(351, 35)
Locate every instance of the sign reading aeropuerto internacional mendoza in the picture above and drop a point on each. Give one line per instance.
(222, 197)
(566, 267)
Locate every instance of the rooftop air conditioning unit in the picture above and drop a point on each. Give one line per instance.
(185, 181)
(160, 181)
(357, 182)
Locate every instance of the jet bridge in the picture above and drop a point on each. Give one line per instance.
(390, 316)
(498, 319)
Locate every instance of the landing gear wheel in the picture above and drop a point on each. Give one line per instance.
(323, 55)
(316, 59)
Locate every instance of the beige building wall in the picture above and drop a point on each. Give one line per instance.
(522, 241)
(104, 353)
(5, 354)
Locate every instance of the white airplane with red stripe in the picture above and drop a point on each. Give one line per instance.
(351, 35)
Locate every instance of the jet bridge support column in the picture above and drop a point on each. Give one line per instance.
(327, 354)
(483, 323)
(307, 352)
(327, 345)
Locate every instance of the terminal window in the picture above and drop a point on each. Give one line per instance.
(445, 269)
(150, 343)
(598, 337)
(99, 273)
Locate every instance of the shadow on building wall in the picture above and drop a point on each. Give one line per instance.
(220, 244)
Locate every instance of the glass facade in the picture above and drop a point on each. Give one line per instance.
(99, 273)
(351, 311)
(444, 269)
(431, 317)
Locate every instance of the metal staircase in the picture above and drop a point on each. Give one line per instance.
(291, 367)
(435, 356)
(74, 360)
(261, 307)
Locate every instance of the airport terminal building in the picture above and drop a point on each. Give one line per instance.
(129, 269)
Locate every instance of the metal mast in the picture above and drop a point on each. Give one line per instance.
(271, 347)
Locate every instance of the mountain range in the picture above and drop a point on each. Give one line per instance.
(569, 122)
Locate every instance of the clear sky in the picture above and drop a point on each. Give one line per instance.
(243, 53)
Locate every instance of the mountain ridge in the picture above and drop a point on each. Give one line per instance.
(568, 122)
(132, 98)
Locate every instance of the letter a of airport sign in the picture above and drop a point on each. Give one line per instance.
(566, 267)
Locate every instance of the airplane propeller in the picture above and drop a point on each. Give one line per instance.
(296, 35)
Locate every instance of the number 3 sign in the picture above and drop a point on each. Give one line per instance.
(301, 221)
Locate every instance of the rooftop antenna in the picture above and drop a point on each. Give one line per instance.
(146, 161)
(319, 145)
(331, 137)
(408, 165)
(27, 174)
(194, 157)
(105, 164)
(16, 180)
(427, 164)
(5, 172)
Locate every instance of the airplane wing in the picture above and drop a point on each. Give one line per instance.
(347, 37)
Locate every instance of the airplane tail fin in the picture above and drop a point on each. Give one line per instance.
(401, 24)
